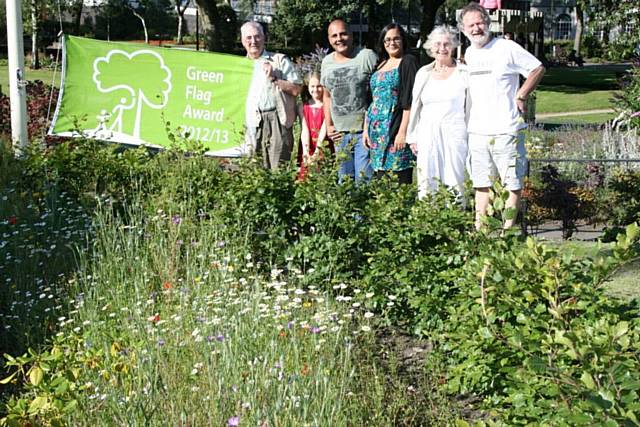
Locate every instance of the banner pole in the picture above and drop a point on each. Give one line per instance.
(17, 83)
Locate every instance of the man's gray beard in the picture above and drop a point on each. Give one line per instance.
(485, 39)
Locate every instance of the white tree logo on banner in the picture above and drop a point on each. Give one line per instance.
(143, 88)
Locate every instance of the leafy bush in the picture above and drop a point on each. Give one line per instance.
(592, 46)
(533, 333)
(38, 96)
(552, 196)
(628, 101)
(526, 329)
(625, 201)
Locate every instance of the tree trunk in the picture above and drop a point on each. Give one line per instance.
(180, 19)
(372, 30)
(35, 60)
(144, 25)
(577, 41)
(180, 9)
(606, 28)
(208, 11)
(429, 10)
(77, 16)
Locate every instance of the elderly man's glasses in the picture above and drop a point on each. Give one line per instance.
(394, 40)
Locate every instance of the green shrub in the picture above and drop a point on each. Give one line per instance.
(527, 330)
(592, 47)
(625, 201)
(628, 101)
(533, 333)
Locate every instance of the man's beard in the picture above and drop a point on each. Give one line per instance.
(479, 40)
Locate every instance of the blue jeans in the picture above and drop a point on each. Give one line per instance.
(353, 157)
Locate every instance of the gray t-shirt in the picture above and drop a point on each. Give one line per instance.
(348, 83)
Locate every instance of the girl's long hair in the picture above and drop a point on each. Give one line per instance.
(306, 96)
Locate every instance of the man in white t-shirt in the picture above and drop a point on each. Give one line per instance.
(496, 143)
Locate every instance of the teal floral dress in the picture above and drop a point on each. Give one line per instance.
(385, 86)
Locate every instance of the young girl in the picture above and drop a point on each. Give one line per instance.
(314, 130)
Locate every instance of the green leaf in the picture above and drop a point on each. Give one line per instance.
(600, 402)
(561, 339)
(38, 404)
(70, 407)
(35, 375)
(9, 378)
(578, 418)
(497, 277)
(462, 423)
(588, 381)
(63, 387)
(632, 231)
(607, 395)
(630, 385)
(620, 329)
(630, 415)
(510, 213)
(485, 333)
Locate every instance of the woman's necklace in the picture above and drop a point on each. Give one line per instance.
(441, 69)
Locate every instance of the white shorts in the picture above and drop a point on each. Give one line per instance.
(492, 156)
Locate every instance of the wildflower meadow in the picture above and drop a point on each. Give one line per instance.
(165, 289)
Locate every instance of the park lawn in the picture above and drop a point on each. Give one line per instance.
(557, 99)
(579, 89)
(582, 119)
(595, 76)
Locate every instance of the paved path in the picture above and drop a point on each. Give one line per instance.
(574, 113)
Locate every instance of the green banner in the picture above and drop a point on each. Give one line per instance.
(137, 94)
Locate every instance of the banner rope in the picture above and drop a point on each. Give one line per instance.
(56, 63)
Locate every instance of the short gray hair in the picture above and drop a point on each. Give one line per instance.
(253, 24)
(474, 7)
(442, 30)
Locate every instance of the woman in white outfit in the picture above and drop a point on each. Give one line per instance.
(437, 131)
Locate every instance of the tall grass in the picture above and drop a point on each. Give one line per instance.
(162, 319)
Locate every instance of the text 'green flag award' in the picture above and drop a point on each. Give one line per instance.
(136, 94)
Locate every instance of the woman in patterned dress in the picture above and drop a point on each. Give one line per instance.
(387, 118)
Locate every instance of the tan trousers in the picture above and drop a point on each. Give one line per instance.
(274, 142)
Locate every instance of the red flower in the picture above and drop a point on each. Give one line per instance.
(13, 220)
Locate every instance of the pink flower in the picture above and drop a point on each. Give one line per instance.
(233, 421)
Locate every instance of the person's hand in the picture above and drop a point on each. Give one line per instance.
(414, 148)
(267, 69)
(399, 142)
(521, 104)
(366, 140)
(333, 134)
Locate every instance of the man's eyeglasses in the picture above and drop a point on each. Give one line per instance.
(395, 40)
